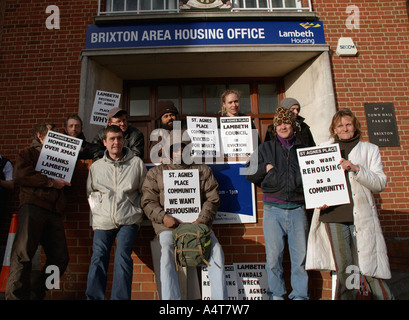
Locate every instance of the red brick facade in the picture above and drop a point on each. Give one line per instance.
(40, 72)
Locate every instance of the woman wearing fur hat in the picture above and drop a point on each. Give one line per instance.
(274, 168)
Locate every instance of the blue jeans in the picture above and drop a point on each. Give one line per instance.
(277, 225)
(123, 264)
(169, 277)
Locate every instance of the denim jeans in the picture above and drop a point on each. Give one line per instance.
(123, 264)
(169, 277)
(279, 224)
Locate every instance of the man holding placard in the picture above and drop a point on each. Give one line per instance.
(41, 203)
(178, 192)
(278, 175)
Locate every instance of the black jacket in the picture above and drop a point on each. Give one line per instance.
(284, 180)
(133, 139)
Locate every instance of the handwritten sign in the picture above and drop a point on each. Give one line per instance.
(322, 176)
(58, 156)
(244, 281)
(103, 103)
(231, 283)
(182, 194)
(204, 135)
(236, 136)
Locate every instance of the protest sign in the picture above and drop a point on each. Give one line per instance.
(103, 103)
(58, 156)
(244, 281)
(231, 283)
(204, 135)
(182, 194)
(323, 178)
(236, 136)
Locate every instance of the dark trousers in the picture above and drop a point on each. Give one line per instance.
(35, 226)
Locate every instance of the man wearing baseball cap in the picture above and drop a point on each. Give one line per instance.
(133, 138)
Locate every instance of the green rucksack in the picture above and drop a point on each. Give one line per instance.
(192, 245)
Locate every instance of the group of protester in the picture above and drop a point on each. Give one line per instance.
(121, 190)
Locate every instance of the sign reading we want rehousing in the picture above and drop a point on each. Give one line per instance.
(323, 178)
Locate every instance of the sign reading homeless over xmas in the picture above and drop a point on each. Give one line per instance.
(322, 176)
(58, 156)
(182, 194)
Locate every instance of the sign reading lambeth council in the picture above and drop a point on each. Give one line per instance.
(205, 33)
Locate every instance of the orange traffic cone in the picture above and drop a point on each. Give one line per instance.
(6, 261)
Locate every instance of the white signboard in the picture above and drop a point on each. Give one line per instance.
(231, 283)
(236, 136)
(204, 135)
(322, 176)
(103, 103)
(58, 156)
(252, 281)
(244, 281)
(182, 194)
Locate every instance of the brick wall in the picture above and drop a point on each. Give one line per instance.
(40, 80)
(379, 74)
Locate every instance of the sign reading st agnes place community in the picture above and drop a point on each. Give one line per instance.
(205, 33)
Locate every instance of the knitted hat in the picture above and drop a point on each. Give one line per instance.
(284, 116)
(165, 107)
(287, 103)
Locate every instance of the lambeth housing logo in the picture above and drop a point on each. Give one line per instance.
(301, 36)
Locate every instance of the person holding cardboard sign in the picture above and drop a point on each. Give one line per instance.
(153, 204)
(42, 202)
(278, 174)
(349, 236)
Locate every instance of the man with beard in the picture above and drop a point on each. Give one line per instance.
(166, 114)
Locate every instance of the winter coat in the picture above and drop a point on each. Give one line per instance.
(116, 186)
(35, 186)
(284, 181)
(371, 247)
(153, 194)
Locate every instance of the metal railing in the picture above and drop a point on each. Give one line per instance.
(106, 7)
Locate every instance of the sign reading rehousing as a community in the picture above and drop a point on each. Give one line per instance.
(58, 156)
(323, 178)
(182, 194)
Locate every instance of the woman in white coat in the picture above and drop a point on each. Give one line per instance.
(347, 238)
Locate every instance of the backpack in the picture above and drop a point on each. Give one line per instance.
(192, 245)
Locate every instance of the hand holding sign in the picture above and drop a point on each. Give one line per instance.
(322, 171)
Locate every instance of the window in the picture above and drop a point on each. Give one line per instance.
(203, 97)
